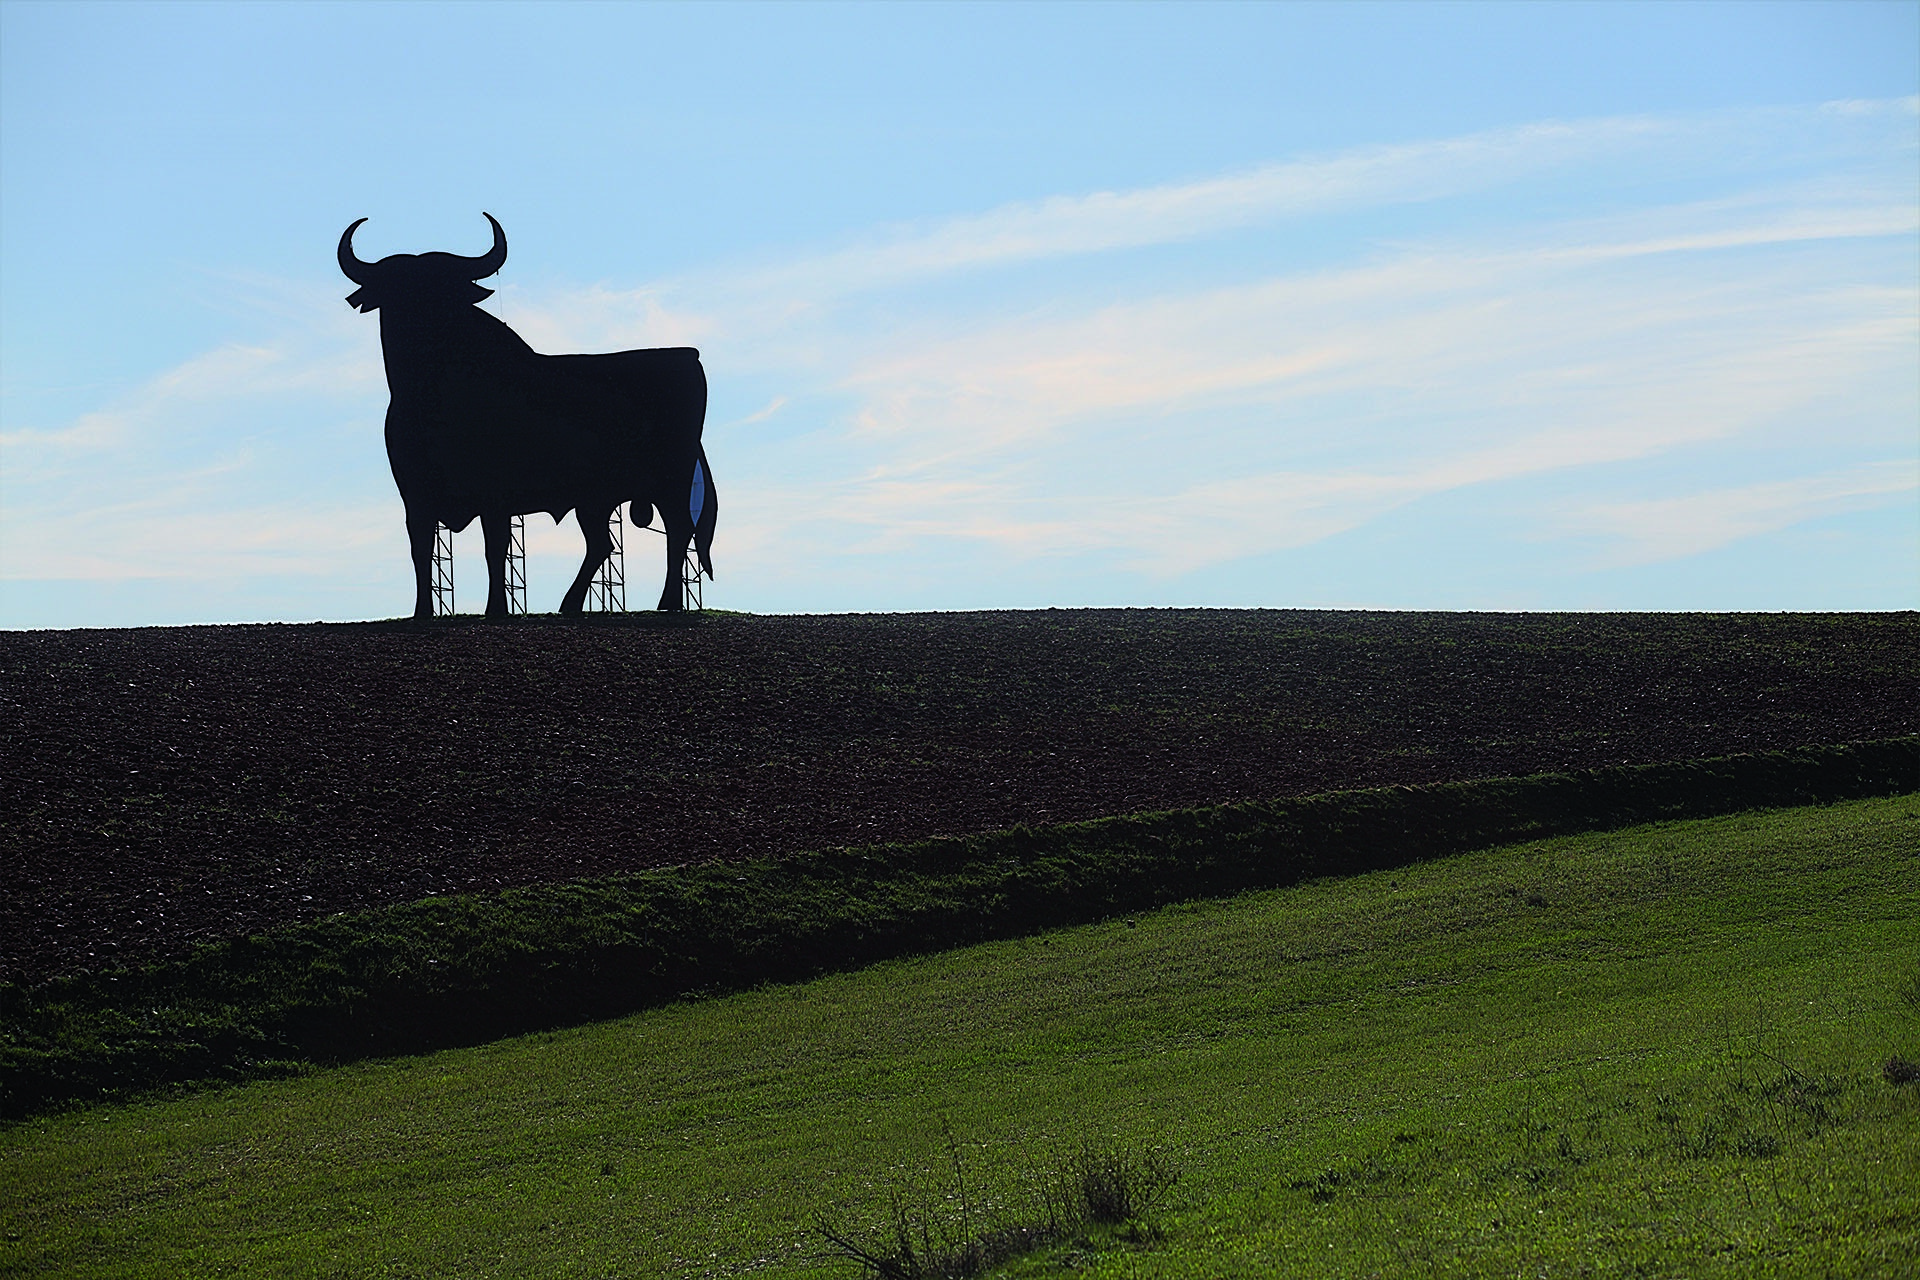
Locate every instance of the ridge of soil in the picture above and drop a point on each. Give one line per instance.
(169, 786)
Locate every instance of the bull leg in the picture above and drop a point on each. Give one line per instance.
(593, 527)
(498, 531)
(420, 530)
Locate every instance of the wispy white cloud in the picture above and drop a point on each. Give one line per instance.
(1651, 530)
(764, 412)
(1367, 177)
(1889, 107)
(228, 373)
(208, 468)
(767, 303)
(1584, 364)
(1799, 225)
(1183, 432)
(1109, 220)
(599, 319)
(169, 537)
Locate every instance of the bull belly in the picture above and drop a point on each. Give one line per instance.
(460, 487)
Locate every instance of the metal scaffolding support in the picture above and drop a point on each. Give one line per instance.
(690, 581)
(517, 566)
(442, 571)
(516, 569)
(607, 593)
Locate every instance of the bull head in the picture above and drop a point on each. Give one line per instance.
(446, 279)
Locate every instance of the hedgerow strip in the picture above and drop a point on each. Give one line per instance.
(464, 969)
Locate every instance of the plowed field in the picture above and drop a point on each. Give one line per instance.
(165, 786)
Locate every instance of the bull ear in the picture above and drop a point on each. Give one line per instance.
(472, 292)
(363, 299)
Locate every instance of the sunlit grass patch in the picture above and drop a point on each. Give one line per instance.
(1657, 1051)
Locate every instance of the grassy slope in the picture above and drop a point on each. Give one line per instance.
(1653, 1049)
(456, 971)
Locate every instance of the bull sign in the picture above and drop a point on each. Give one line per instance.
(479, 424)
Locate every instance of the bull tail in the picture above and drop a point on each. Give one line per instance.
(706, 505)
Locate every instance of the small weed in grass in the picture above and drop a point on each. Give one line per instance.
(1100, 1186)
(1118, 1186)
(1908, 991)
(1343, 1174)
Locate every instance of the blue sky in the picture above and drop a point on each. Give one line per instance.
(1434, 306)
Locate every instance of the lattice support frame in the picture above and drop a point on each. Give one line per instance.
(517, 566)
(607, 593)
(690, 576)
(442, 571)
(516, 569)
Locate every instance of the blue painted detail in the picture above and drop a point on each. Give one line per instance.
(699, 498)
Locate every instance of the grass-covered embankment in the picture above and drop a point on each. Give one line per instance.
(1650, 1051)
(466, 969)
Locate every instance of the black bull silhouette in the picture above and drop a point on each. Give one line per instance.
(480, 424)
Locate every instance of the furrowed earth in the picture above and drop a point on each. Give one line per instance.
(170, 786)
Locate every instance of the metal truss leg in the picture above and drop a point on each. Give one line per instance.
(607, 593)
(442, 571)
(690, 581)
(517, 566)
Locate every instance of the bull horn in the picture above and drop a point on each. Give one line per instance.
(493, 259)
(351, 266)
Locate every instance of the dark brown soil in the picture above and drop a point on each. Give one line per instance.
(166, 786)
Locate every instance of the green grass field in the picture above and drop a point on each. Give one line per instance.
(1650, 1051)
